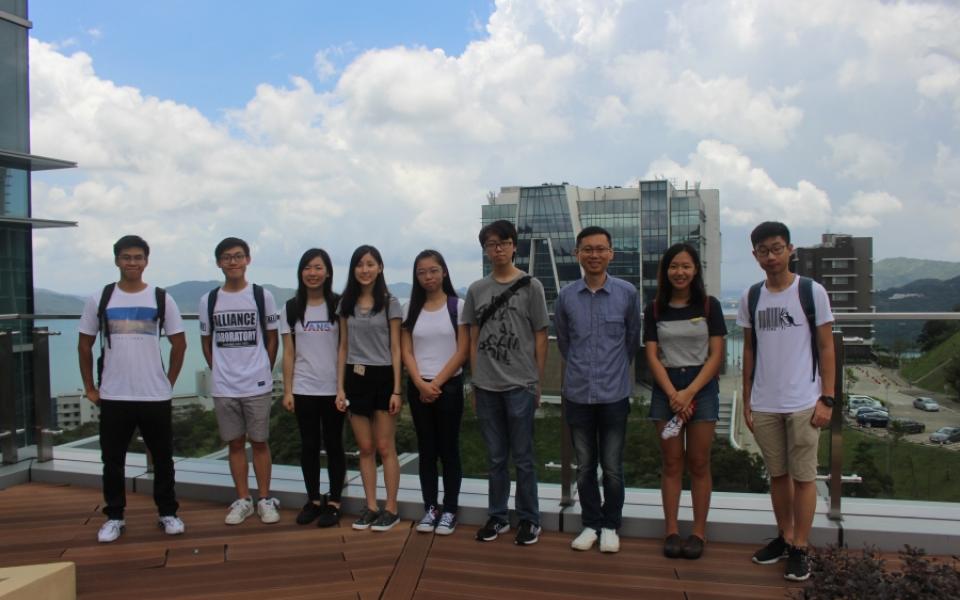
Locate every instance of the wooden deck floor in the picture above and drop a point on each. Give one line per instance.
(47, 523)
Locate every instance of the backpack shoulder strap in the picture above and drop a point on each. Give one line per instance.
(102, 311)
(753, 299)
(805, 289)
(258, 298)
(211, 304)
(160, 295)
(502, 299)
(452, 309)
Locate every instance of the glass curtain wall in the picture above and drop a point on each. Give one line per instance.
(622, 219)
(654, 223)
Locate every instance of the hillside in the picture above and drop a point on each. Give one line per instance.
(924, 295)
(927, 371)
(896, 272)
(47, 302)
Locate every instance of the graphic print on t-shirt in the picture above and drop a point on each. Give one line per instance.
(140, 320)
(318, 326)
(498, 337)
(775, 318)
(235, 328)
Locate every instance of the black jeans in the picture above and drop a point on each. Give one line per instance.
(318, 417)
(118, 420)
(438, 436)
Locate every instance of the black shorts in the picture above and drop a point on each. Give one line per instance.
(369, 392)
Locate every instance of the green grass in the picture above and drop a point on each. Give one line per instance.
(918, 472)
(924, 370)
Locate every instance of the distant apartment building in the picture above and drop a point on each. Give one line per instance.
(73, 410)
(16, 215)
(843, 264)
(643, 221)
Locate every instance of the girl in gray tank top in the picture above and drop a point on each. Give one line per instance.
(683, 335)
(368, 362)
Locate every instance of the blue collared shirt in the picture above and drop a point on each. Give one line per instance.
(598, 334)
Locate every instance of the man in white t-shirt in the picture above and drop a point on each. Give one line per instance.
(238, 333)
(133, 391)
(788, 386)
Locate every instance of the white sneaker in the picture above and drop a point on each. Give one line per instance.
(239, 511)
(429, 521)
(111, 530)
(586, 539)
(172, 525)
(267, 509)
(609, 540)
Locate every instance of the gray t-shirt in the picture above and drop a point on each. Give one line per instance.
(506, 351)
(368, 336)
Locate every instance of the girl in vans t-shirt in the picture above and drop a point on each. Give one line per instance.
(310, 383)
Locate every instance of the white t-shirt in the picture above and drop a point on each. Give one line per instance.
(434, 339)
(782, 382)
(132, 364)
(315, 340)
(241, 366)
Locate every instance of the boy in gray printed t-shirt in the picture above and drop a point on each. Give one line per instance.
(508, 352)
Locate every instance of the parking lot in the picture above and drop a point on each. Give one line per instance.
(897, 396)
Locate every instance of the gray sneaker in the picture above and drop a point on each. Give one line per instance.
(448, 522)
(429, 521)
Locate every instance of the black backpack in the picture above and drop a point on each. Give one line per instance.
(805, 289)
(261, 310)
(160, 295)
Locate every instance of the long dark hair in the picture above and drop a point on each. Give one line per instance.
(381, 295)
(698, 292)
(418, 295)
(329, 296)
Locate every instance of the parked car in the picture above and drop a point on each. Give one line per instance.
(855, 401)
(869, 409)
(945, 435)
(907, 425)
(927, 404)
(873, 418)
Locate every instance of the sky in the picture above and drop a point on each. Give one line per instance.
(337, 124)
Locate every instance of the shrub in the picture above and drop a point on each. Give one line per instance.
(839, 573)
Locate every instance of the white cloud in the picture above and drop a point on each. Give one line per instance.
(748, 193)
(861, 157)
(865, 209)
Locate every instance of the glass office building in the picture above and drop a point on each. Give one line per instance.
(643, 222)
(16, 220)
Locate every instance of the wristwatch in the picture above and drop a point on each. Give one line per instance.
(827, 401)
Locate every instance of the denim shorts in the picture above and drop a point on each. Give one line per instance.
(707, 400)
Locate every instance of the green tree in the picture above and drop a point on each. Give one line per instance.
(875, 482)
(951, 373)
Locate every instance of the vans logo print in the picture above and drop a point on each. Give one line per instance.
(775, 318)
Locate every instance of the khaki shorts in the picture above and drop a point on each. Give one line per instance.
(788, 443)
(248, 416)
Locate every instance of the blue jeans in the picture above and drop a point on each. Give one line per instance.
(598, 432)
(506, 424)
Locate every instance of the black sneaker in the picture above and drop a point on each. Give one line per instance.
(798, 565)
(309, 513)
(329, 516)
(385, 521)
(772, 552)
(367, 518)
(527, 534)
(491, 530)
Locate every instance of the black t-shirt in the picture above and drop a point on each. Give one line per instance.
(682, 334)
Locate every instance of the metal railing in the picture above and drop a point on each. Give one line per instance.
(43, 406)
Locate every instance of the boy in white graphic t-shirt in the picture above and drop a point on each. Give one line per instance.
(788, 388)
(133, 390)
(238, 332)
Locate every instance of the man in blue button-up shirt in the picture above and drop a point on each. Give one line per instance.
(598, 330)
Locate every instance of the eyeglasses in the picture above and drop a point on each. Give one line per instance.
(775, 250)
(132, 258)
(232, 258)
(434, 271)
(498, 245)
(588, 250)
